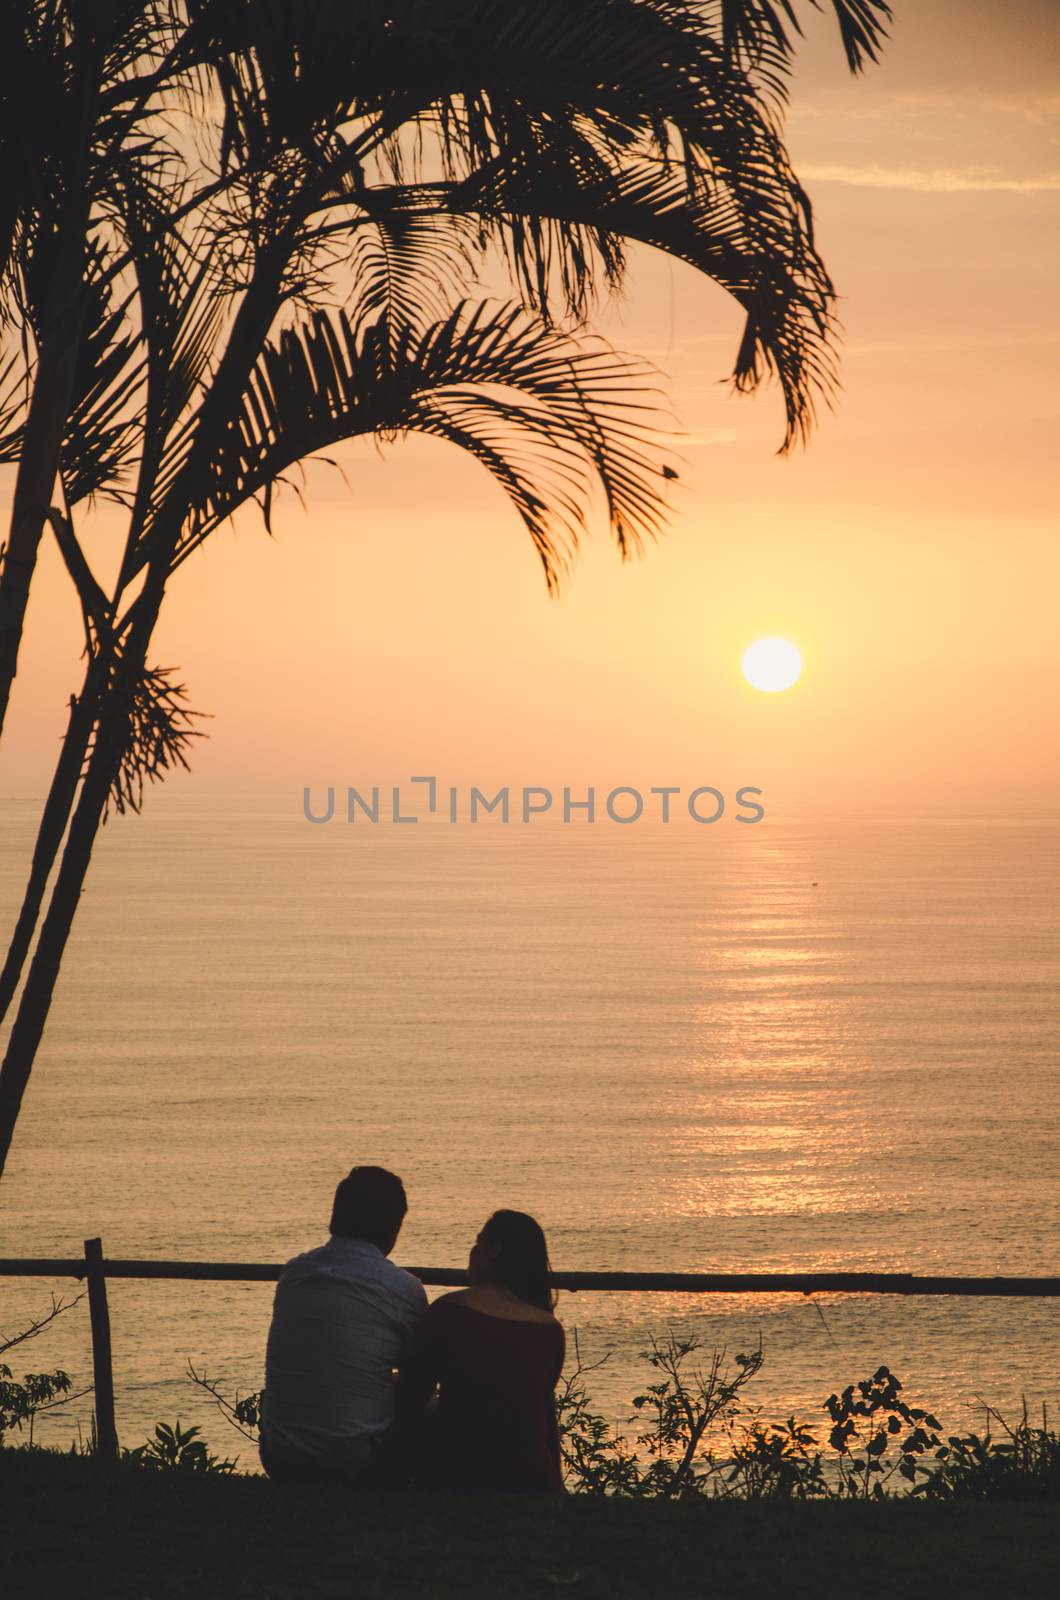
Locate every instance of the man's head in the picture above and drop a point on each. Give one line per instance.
(370, 1204)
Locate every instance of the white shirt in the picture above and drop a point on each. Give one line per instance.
(341, 1321)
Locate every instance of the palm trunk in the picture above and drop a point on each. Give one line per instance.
(54, 818)
(251, 326)
(106, 705)
(107, 750)
(37, 995)
(45, 425)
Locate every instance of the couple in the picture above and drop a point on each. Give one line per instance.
(355, 1357)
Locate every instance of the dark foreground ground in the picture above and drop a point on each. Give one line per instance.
(72, 1528)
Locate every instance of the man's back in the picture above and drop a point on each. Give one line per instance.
(341, 1322)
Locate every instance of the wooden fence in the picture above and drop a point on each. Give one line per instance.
(94, 1267)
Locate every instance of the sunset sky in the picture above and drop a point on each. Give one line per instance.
(401, 624)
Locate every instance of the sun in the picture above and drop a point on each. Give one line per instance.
(771, 664)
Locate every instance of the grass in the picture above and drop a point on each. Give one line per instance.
(73, 1527)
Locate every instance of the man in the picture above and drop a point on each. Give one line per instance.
(341, 1324)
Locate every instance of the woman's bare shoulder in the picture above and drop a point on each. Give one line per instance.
(541, 1315)
(452, 1297)
(505, 1306)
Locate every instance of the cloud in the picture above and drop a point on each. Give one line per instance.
(936, 180)
(714, 436)
(972, 103)
(929, 344)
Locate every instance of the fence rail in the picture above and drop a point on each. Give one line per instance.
(650, 1282)
(97, 1268)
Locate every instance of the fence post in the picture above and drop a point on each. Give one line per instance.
(102, 1372)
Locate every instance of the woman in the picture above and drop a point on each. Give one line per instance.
(495, 1351)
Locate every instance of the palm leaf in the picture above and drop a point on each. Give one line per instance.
(101, 430)
(588, 85)
(159, 729)
(408, 266)
(760, 34)
(544, 413)
(586, 125)
(16, 378)
(779, 280)
(182, 310)
(862, 27)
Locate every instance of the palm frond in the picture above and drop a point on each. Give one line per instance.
(16, 378)
(63, 68)
(182, 310)
(526, 84)
(408, 266)
(101, 431)
(862, 28)
(159, 728)
(780, 281)
(633, 119)
(545, 413)
(760, 34)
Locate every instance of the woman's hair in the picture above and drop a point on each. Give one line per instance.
(521, 1262)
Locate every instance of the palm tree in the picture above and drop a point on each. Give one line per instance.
(81, 86)
(374, 163)
(560, 102)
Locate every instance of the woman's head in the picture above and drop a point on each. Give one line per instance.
(511, 1250)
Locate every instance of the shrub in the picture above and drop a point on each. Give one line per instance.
(776, 1462)
(694, 1438)
(866, 1421)
(20, 1402)
(176, 1449)
(1024, 1464)
(669, 1458)
(877, 1444)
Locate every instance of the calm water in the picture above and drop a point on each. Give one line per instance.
(813, 1044)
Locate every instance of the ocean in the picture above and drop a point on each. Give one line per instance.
(821, 1042)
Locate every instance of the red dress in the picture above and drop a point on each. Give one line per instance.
(495, 1427)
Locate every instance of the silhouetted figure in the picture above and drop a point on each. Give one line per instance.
(495, 1351)
(342, 1322)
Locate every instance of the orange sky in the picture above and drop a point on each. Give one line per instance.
(402, 623)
